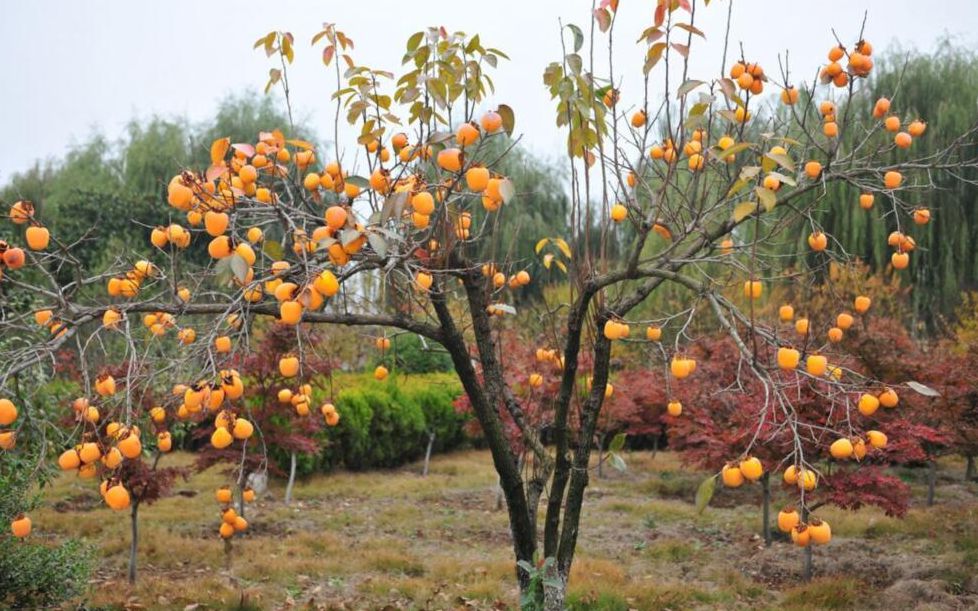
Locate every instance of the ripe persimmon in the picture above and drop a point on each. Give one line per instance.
(117, 497)
(8, 412)
(788, 518)
(818, 241)
(889, 398)
(731, 476)
(466, 134)
(876, 439)
(20, 526)
(751, 468)
(841, 449)
(37, 237)
(788, 358)
(868, 404)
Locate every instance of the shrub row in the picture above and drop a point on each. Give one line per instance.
(386, 424)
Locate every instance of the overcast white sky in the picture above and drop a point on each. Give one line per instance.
(71, 68)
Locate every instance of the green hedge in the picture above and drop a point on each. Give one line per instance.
(386, 424)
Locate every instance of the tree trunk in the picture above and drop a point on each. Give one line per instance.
(134, 543)
(655, 445)
(227, 554)
(766, 487)
(601, 455)
(807, 565)
(555, 596)
(969, 469)
(241, 486)
(931, 481)
(288, 487)
(427, 453)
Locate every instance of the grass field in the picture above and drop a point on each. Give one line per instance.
(397, 540)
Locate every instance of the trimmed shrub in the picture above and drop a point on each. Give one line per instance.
(441, 418)
(386, 424)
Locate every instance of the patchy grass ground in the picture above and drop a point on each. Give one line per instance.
(397, 540)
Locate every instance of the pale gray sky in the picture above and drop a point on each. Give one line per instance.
(72, 67)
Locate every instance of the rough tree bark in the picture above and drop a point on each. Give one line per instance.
(931, 481)
(134, 542)
(766, 527)
(288, 486)
(427, 453)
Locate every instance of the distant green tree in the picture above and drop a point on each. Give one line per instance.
(942, 87)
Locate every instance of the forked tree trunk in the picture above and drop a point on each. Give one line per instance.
(427, 453)
(134, 543)
(766, 528)
(931, 481)
(288, 487)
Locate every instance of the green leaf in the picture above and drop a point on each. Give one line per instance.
(782, 160)
(733, 150)
(414, 41)
(688, 86)
(617, 462)
(574, 62)
(704, 493)
(578, 36)
(617, 443)
(348, 236)
(359, 181)
(273, 249)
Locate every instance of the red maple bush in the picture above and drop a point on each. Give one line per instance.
(281, 429)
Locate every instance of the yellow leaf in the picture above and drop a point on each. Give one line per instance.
(562, 267)
(743, 210)
(547, 260)
(540, 245)
(564, 248)
(767, 198)
(303, 144)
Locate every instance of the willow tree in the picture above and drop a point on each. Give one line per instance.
(294, 230)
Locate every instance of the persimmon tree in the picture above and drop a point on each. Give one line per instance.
(692, 189)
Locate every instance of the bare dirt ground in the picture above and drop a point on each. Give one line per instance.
(396, 540)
